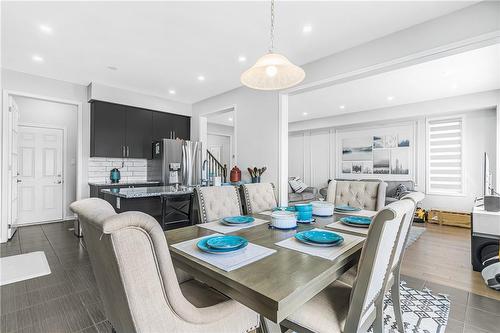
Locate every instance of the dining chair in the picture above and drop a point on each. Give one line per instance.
(369, 195)
(216, 202)
(137, 281)
(342, 308)
(258, 197)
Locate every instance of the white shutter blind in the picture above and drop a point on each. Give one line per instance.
(445, 173)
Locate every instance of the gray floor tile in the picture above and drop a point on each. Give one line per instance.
(457, 311)
(454, 326)
(456, 296)
(482, 320)
(484, 303)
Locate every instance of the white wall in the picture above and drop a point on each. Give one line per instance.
(219, 129)
(256, 123)
(38, 112)
(315, 146)
(105, 93)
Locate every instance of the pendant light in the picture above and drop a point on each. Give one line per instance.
(272, 71)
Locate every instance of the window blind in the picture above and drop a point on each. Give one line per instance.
(445, 172)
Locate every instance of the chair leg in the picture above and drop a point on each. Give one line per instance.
(378, 324)
(396, 301)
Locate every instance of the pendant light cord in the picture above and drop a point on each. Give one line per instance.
(271, 46)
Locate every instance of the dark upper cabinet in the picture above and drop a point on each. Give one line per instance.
(138, 138)
(163, 126)
(171, 126)
(107, 138)
(126, 131)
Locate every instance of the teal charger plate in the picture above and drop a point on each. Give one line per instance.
(202, 245)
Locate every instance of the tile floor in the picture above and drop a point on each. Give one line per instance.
(67, 300)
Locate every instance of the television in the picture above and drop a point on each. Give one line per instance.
(487, 177)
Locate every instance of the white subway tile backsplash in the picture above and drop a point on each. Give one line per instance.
(132, 169)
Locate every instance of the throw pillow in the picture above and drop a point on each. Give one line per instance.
(297, 185)
(400, 191)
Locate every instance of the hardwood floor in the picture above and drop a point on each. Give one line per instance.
(67, 300)
(442, 255)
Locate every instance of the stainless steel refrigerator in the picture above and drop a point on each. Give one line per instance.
(176, 162)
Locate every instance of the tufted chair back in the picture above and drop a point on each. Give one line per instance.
(258, 197)
(216, 202)
(362, 194)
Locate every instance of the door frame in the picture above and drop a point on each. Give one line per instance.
(232, 158)
(4, 194)
(64, 163)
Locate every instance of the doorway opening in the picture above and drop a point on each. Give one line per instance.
(218, 135)
(41, 160)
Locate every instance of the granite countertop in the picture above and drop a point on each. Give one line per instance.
(151, 191)
(106, 183)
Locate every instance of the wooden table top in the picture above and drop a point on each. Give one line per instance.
(276, 285)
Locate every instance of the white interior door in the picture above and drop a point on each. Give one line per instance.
(40, 174)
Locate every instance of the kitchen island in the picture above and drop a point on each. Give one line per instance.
(172, 206)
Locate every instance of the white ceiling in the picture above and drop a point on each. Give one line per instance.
(226, 118)
(465, 73)
(159, 46)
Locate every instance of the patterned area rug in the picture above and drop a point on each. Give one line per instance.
(415, 233)
(423, 312)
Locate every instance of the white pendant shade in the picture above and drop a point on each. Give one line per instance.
(272, 72)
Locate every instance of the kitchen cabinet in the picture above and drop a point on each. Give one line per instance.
(171, 126)
(127, 131)
(107, 130)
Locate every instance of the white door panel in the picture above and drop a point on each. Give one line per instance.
(12, 217)
(40, 173)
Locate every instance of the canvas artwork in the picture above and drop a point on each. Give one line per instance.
(378, 142)
(367, 167)
(357, 149)
(381, 161)
(390, 141)
(357, 167)
(400, 161)
(403, 140)
(346, 167)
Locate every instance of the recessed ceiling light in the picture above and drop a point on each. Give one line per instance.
(305, 113)
(342, 107)
(37, 58)
(230, 119)
(112, 68)
(45, 29)
(390, 98)
(201, 78)
(242, 58)
(172, 92)
(307, 29)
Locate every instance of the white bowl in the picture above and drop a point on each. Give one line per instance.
(283, 220)
(322, 208)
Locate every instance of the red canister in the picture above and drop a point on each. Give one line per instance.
(235, 175)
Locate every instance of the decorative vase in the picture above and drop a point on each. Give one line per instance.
(235, 175)
(256, 179)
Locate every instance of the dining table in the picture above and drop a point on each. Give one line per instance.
(276, 285)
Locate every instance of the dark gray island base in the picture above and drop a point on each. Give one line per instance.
(172, 207)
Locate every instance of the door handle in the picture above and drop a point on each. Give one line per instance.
(59, 181)
(128, 151)
(19, 180)
(123, 151)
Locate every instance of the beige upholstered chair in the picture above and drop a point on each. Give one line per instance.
(362, 194)
(342, 308)
(216, 202)
(258, 197)
(137, 282)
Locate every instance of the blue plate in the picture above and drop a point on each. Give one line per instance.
(322, 237)
(288, 209)
(300, 236)
(226, 242)
(202, 245)
(361, 220)
(238, 219)
(347, 208)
